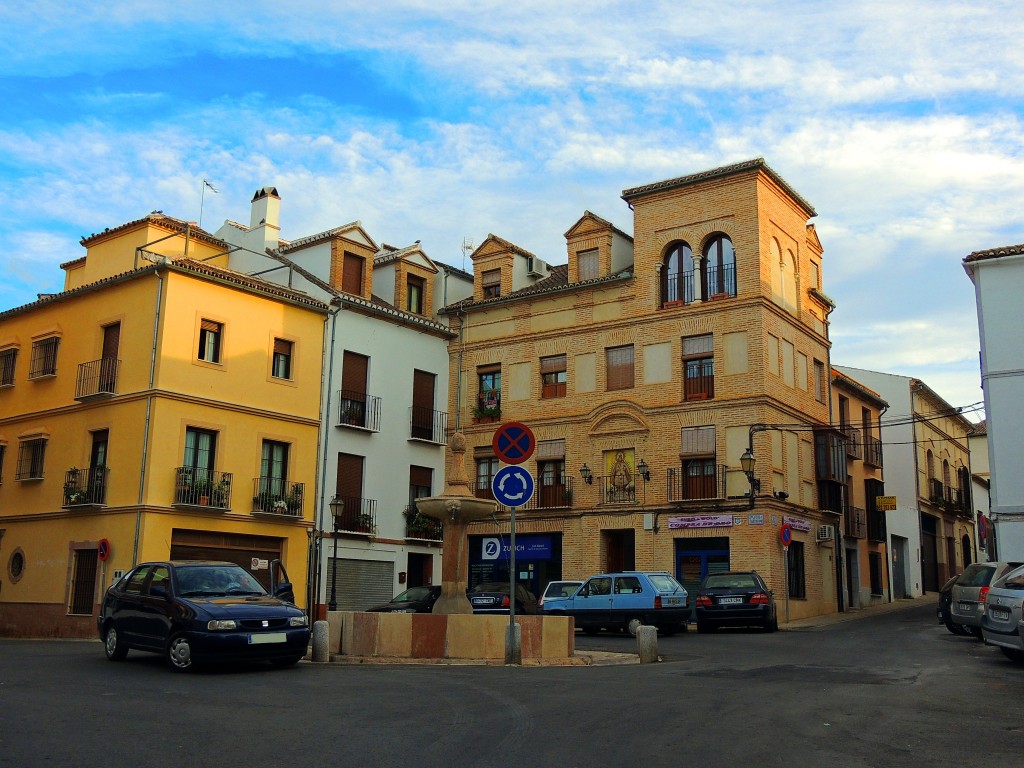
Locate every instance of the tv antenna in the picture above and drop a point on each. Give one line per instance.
(467, 248)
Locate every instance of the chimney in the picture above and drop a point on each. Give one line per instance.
(266, 213)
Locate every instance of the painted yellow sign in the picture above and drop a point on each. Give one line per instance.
(885, 503)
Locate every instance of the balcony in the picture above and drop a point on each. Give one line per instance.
(198, 487)
(427, 424)
(85, 487)
(613, 491)
(876, 526)
(276, 496)
(97, 379)
(546, 495)
(855, 523)
(700, 381)
(358, 410)
(488, 407)
(687, 486)
(359, 515)
(854, 448)
(419, 526)
(936, 493)
(872, 451)
(678, 291)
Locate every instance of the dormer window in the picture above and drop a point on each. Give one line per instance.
(491, 283)
(414, 295)
(587, 265)
(352, 274)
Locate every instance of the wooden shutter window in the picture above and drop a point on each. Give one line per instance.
(555, 364)
(619, 363)
(698, 441)
(699, 345)
(352, 274)
(548, 450)
(421, 476)
(350, 479)
(587, 265)
(354, 369)
(282, 347)
(111, 338)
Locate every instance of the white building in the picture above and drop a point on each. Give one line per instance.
(998, 277)
(384, 395)
(931, 534)
(981, 483)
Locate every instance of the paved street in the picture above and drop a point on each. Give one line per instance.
(882, 690)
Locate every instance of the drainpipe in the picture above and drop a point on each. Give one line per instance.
(149, 412)
(313, 589)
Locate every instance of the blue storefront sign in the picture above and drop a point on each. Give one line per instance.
(528, 547)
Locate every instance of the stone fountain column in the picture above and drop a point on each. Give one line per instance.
(456, 507)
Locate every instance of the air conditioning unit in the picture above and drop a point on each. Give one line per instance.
(824, 533)
(535, 267)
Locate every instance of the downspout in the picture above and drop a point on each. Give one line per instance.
(917, 489)
(149, 412)
(840, 581)
(313, 589)
(885, 518)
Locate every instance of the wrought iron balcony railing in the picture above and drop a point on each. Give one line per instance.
(936, 493)
(97, 378)
(359, 515)
(872, 450)
(199, 487)
(855, 522)
(85, 486)
(428, 424)
(419, 526)
(614, 490)
(276, 496)
(548, 494)
(696, 482)
(358, 409)
(854, 448)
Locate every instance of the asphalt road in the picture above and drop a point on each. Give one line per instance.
(887, 690)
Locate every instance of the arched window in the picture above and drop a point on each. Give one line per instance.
(789, 281)
(930, 463)
(677, 275)
(775, 257)
(719, 267)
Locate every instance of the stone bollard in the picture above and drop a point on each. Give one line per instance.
(647, 644)
(321, 641)
(514, 644)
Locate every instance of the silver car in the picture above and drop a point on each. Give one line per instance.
(968, 602)
(1004, 620)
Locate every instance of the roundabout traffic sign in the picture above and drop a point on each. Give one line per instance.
(512, 486)
(513, 443)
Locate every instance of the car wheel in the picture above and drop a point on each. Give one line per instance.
(770, 624)
(287, 661)
(179, 654)
(1013, 654)
(976, 631)
(112, 645)
(956, 629)
(633, 625)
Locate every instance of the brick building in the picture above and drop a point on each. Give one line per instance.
(647, 366)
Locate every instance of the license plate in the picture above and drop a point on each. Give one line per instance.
(965, 607)
(268, 637)
(671, 600)
(729, 600)
(1000, 614)
(482, 601)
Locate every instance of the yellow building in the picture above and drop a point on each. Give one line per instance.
(161, 406)
(647, 366)
(865, 554)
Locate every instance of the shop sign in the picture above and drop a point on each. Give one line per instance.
(701, 521)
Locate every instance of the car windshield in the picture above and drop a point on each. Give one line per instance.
(664, 583)
(561, 590)
(730, 581)
(215, 580)
(1013, 580)
(410, 595)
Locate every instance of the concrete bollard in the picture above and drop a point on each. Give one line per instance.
(514, 644)
(647, 644)
(321, 641)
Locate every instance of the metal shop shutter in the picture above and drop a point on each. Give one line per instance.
(361, 584)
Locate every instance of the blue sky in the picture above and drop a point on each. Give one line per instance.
(900, 122)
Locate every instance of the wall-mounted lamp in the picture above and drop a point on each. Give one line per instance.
(587, 475)
(644, 470)
(747, 462)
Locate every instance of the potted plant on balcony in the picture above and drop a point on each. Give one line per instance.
(280, 507)
(486, 414)
(364, 523)
(201, 492)
(293, 501)
(73, 494)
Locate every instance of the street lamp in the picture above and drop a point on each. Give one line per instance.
(644, 470)
(586, 474)
(747, 462)
(337, 510)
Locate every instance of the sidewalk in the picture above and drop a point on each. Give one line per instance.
(852, 614)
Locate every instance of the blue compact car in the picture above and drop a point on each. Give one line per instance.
(194, 612)
(625, 601)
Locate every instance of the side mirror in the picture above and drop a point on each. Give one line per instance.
(285, 592)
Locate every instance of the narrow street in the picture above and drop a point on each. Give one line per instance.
(882, 690)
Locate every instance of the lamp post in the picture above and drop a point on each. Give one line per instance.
(645, 472)
(586, 474)
(337, 510)
(747, 462)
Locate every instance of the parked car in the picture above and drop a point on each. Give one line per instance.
(945, 617)
(625, 601)
(493, 597)
(196, 612)
(556, 589)
(968, 600)
(735, 599)
(413, 600)
(1003, 622)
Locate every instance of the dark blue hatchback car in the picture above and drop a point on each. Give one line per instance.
(195, 612)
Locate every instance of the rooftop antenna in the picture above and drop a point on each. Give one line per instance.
(202, 199)
(467, 248)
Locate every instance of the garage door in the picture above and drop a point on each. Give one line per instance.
(232, 547)
(360, 584)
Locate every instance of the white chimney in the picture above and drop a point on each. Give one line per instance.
(266, 214)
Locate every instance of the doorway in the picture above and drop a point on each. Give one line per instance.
(696, 558)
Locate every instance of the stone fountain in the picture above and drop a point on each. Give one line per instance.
(455, 508)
